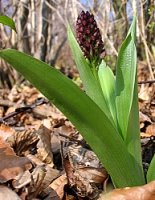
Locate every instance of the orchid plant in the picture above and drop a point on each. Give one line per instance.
(106, 113)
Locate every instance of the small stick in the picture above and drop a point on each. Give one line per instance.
(149, 81)
(24, 109)
(69, 138)
(79, 142)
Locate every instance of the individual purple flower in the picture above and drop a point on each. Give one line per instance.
(89, 37)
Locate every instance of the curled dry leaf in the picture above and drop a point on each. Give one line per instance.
(14, 95)
(51, 174)
(34, 159)
(41, 178)
(37, 181)
(22, 180)
(144, 118)
(44, 152)
(37, 178)
(11, 165)
(6, 131)
(151, 129)
(58, 185)
(94, 175)
(8, 194)
(80, 156)
(84, 170)
(23, 141)
(42, 111)
(65, 127)
(148, 150)
(1, 111)
(146, 192)
(144, 93)
(49, 194)
(84, 180)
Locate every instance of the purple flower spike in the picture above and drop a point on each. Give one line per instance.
(89, 37)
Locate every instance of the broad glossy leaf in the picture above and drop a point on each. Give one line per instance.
(90, 82)
(88, 118)
(7, 21)
(125, 81)
(107, 82)
(151, 171)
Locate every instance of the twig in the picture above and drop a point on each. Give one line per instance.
(70, 138)
(143, 36)
(24, 109)
(149, 81)
(79, 142)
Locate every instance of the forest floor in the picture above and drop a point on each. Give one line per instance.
(44, 157)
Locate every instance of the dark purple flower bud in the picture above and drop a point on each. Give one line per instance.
(88, 31)
(91, 19)
(93, 38)
(89, 37)
(81, 29)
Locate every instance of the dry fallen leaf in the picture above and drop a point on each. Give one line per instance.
(42, 111)
(51, 174)
(144, 118)
(81, 182)
(80, 156)
(1, 111)
(146, 192)
(23, 141)
(34, 159)
(37, 178)
(22, 180)
(49, 194)
(144, 93)
(94, 175)
(6, 131)
(84, 170)
(37, 181)
(44, 152)
(14, 95)
(58, 185)
(11, 165)
(150, 129)
(8, 194)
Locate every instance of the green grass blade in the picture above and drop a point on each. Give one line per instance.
(125, 80)
(88, 118)
(151, 171)
(7, 21)
(89, 81)
(107, 82)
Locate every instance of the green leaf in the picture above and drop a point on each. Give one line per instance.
(87, 117)
(127, 95)
(107, 82)
(133, 132)
(91, 84)
(125, 81)
(132, 29)
(7, 21)
(151, 171)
